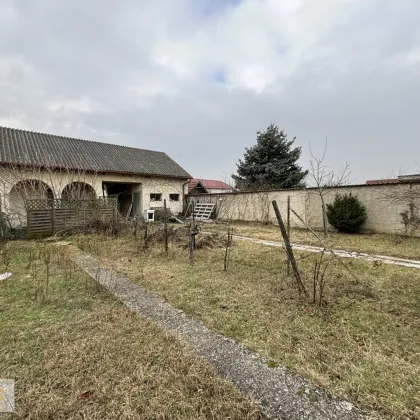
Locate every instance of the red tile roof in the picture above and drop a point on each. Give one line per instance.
(211, 184)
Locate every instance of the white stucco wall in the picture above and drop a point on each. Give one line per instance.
(385, 205)
(57, 180)
(151, 185)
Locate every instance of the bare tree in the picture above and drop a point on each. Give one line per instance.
(227, 179)
(325, 179)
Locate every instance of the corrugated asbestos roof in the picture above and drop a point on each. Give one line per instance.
(20, 147)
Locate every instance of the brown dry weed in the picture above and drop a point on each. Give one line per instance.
(364, 343)
(80, 354)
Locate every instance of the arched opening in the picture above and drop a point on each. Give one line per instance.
(78, 191)
(30, 189)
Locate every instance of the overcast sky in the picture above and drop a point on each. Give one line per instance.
(197, 78)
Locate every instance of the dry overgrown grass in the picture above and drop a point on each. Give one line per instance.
(379, 243)
(79, 354)
(364, 344)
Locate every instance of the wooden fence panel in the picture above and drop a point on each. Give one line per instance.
(46, 217)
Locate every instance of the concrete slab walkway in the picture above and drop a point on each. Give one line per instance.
(339, 252)
(282, 394)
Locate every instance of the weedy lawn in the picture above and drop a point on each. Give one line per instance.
(363, 343)
(75, 352)
(378, 243)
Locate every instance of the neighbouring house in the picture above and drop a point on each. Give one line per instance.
(36, 165)
(208, 186)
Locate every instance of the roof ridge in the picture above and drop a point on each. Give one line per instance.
(77, 138)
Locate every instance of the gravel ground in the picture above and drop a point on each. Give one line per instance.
(281, 393)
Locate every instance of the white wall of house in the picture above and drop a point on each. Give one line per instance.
(166, 187)
(56, 181)
(217, 191)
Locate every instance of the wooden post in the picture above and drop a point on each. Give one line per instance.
(191, 246)
(146, 237)
(165, 219)
(288, 248)
(114, 210)
(191, 242)
(288, 230)
(228, 244)
(53, 216)
(324, 221)
(326, 247)
(193, 224)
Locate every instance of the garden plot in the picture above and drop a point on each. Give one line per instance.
(361, 342)
(75, 352)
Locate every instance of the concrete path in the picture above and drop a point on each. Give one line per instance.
(282, 394)
(339, 252)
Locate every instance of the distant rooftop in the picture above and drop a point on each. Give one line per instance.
(401, 178)
(411, 177)
(208, 184)
(28, 148)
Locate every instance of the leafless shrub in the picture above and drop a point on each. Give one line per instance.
(5, 255)
(325, 179)
(319, 279)
(95, 226)
(410, 219)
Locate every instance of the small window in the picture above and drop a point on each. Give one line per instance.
(155, 197)
(173, 197)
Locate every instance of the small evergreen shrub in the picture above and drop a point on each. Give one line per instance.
(346, 213)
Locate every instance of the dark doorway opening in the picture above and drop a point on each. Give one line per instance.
(128, 197)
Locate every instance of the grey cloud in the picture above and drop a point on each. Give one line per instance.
(100, 50)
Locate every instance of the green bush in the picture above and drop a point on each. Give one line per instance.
(346, 213)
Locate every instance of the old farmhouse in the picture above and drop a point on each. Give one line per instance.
(36, 165)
